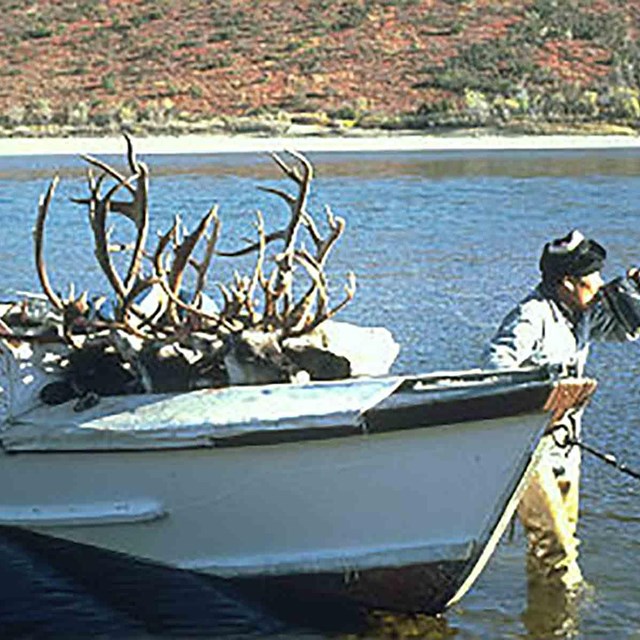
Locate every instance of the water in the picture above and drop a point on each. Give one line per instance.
(442, 244)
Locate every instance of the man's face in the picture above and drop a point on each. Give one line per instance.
(581, 292)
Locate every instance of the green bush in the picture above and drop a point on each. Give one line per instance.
(39, 32)
(352, 14)
(345, 112)
(108, 82)
(195, 91)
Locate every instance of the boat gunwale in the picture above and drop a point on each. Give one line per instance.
(461, 397)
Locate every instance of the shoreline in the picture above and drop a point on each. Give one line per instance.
(238, 143)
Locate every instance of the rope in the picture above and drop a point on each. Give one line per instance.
(569, 441)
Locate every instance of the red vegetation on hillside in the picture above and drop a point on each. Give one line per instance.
(243, 57)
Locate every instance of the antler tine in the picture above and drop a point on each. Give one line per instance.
(270, 317)
(38, 233)
(163, 242)
(183, 253)
(336, 226)
(203, 267)
(228, 307)
(131, 154)
(286, 169)
(108, 169)
(254, 246)
(321, 316)
(158, 267)
(238, 280)
(181, 231)
(102, 249)
(317, 290)
(94, 188)
(291, 171)
(306, 165)
(100, 209)
(184, 250)
(240, 298)
(138, 211)
(241, 308)
(285, 263)
(128, 304)
(258, 275)
(307, 221)
(350, 291)
(287, 197)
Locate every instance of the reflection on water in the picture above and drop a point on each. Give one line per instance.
(420, 164)
(443, 245)
(389, 625)
(553, 611)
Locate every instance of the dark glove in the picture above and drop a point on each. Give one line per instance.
(622, 298)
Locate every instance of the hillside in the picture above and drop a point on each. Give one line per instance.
(173, 66)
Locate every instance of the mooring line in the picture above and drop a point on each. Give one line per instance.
(569, 441)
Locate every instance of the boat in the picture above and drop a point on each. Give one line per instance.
(388, 492)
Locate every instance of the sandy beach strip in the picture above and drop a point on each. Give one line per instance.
(218, 144)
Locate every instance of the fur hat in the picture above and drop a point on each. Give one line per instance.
(573, 255)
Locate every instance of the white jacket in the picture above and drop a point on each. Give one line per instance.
(539, 331)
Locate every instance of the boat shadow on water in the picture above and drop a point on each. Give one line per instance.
(53, 588)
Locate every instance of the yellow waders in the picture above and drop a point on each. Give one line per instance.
(548, 511)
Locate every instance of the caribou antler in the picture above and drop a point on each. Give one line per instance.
(99, 209)
(163, 276)
(135, 210)
(295, 318)
(72, 308)
(286, 258)
(203, 267)
(38, 234)
(176, 317)
(182, 255)
(239, 298)
(300, 321)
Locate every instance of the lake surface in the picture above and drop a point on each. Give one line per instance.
(442, 244)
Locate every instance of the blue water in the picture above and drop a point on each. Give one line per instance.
(442, 245)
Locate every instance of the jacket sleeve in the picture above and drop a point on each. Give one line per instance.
(516, 340)
(615, 317)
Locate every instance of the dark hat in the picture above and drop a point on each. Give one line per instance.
(573, 255)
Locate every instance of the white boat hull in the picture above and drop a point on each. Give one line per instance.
(403, 518)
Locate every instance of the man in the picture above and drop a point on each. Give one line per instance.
(554, 325)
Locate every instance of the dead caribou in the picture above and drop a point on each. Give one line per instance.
(164, 336)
